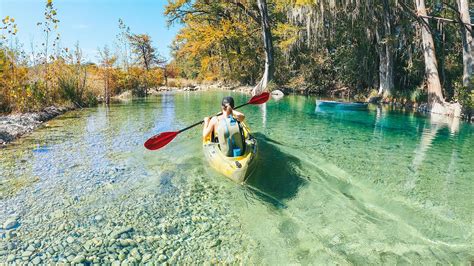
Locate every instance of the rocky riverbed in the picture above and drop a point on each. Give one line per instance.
(76, 199)
(15, 125)
(184, 222)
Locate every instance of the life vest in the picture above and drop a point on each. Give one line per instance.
(230, 137)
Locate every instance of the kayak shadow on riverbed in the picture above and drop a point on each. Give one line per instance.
(277, 177)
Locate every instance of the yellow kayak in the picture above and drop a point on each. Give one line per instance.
(236, 168)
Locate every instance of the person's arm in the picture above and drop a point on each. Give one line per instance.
(208, 126)
(238, 115)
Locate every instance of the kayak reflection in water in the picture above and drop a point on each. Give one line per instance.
(225, 129)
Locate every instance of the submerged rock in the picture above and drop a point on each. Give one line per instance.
(10, 223)
(117, 233)
(36, 260)
(70, 239)
(146, 257)
(136, 254)
(99, 218)
(79, 259)
(26, 254)
(162, 258)
(11, 258)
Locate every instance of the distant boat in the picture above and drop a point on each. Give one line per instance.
(342, 105)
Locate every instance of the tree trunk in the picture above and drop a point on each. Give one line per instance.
(268, 45)
(386, 83)
(467, 43)
(107, 94)
(383, 86)
(388, 46)
(435, 94)
(46, 66)
(146, 83)
(389, 74)
(165, 74)
(147, 68)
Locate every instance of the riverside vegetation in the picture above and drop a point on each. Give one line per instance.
(54, 75)
(395, 51)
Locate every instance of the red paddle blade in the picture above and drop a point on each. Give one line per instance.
(160, 140)
(259, 99)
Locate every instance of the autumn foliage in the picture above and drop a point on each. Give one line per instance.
(55, 75)
(321, 47)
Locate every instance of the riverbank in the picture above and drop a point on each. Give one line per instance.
(127, 95)
(14, 126)
(449, 109)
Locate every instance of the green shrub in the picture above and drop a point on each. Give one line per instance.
(419, 96)
(38, 91)
(90, 99)
(4, 105)
(373, 93)
(68, 89)
(359, 97)
(138, 91)
(466, 99)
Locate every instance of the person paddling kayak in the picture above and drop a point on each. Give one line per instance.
(226, 128)
(227, 143)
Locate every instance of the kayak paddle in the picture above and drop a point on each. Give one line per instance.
(160, 140)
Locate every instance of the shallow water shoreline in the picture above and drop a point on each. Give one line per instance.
(449, 109)
(84, 189)
(127, 95)
(452, 110)
(14, 126)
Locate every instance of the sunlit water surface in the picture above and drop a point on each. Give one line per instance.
(332, 186)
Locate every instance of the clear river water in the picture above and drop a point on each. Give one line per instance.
(332, 186)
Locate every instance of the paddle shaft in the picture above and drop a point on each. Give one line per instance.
(202, 121)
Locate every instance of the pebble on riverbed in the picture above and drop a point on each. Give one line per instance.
(10, 223)
(119, 232)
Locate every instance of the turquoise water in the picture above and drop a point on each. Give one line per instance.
(332, 187)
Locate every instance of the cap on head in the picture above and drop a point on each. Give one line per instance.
(228, 100)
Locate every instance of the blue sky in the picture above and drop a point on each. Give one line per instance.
(94, 23)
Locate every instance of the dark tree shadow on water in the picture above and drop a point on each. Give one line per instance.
(276, 177)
